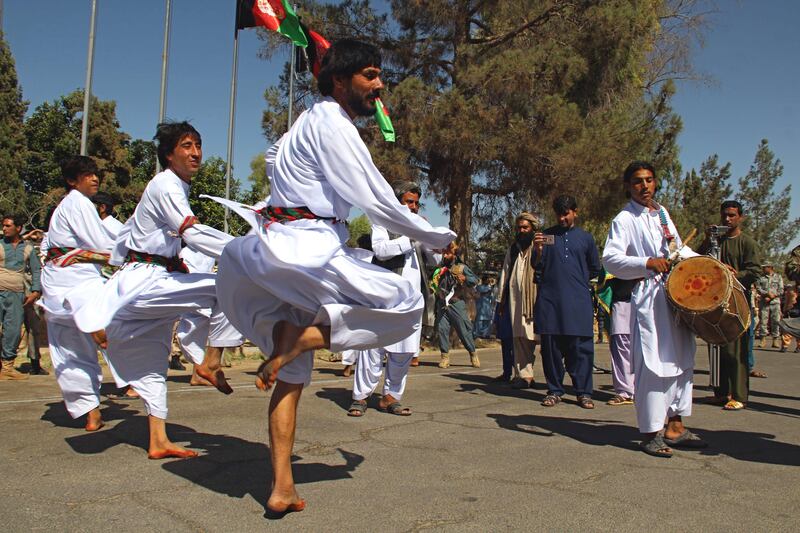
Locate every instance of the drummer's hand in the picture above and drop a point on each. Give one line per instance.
(658, 264)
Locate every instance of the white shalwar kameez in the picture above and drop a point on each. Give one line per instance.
(302, 271)
(140, 303)
(398, 355)
(74, 224)
(113, 226)
(663, 348)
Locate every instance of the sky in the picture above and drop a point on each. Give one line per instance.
(750, 51)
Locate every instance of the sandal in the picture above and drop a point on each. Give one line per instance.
(656, 447)
(585, 402)
(550, 400)
(620, 400)
(395, 408)
(733, 405)
(687, 439)
(757, 374)
(357, 408)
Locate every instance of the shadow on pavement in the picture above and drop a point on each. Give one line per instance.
(489, 386)
(338, 395)
(57, 414)
(227, 465)
(741, 445)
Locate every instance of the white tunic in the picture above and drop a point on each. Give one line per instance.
(659, 338)
(113, 225)
(302, 271)
(74, 224)
(154, 229)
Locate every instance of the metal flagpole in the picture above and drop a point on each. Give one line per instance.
(162, 102)
(87, 91)
(291, 86)
(230, 123)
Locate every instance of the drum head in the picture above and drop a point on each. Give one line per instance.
(699, 284)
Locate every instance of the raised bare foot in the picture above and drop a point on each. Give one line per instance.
(130, 393)
(170, 450)
(197, 381)
(93, 420)
(285, 337)
(215, 376)
(100, 338)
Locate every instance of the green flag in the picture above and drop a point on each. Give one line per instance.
(383, 120)
(275, 15)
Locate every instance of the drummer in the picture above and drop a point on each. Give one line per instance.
(641, 238)
(740, 252)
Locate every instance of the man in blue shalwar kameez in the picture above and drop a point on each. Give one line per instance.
(563, 313)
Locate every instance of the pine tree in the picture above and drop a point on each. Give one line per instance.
(13, 145)
(767, 212)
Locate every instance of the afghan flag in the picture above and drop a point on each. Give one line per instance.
(310, 57)
(275, 15)
(383, 120)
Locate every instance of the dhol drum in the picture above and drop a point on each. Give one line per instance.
(709, 299)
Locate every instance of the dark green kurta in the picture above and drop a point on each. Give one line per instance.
(742, 254)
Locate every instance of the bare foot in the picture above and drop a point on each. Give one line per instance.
(279, 506)
(93, 420)
(130, 393)
(170, 450)
(100, 338)
(285, 338)
(197, 381)
(215, 376)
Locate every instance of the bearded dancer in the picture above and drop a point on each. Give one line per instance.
(296, 287)
(134, 313)
(641, 238)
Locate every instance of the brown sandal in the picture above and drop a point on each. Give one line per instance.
(551, 400)
(585, 402)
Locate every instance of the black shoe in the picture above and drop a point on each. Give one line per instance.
(175, 363)
(37, 370)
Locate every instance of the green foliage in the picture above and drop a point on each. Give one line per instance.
(259, 184)
(767, 212)
(13, 144)
(694, 201)
(53, 134)
(357, 227)
(210, 179)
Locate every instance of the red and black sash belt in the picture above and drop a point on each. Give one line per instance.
(172, 264)
(289, 214)
(65, 256)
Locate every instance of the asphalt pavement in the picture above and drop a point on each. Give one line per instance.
(475, 456)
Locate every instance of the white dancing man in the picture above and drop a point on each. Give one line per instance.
(134, 314)
(295, 286)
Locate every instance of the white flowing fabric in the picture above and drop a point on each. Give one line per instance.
(113, 226)
(138, 306)
(662, 346)
(301, 271)
(74, 224)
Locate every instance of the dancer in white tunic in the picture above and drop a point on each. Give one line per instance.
(134, 313)
(401, 255)
(78, 246)
(641, 238)
(296, 287)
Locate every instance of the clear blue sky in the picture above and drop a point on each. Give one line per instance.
(751, 50)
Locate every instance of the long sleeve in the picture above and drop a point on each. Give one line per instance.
(592, 258)
(36, 272)
(616, 258)
(750, 268)
(385, 248)
(348, 167)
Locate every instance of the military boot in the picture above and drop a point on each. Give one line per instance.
(473, 359)
(445, 362)
(776, 342)
(11, 373)
(36, 368)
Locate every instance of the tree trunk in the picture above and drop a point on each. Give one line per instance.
(459, 201)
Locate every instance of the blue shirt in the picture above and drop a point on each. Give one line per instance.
(13, 261)
(564, 300)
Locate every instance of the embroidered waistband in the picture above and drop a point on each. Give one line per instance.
(172, 264)
(64, 256)
(288, 214)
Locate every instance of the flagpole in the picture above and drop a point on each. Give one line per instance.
(162, 102)
(230, 123)
(87, 91)
(291, 86)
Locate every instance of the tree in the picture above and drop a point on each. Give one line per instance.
(767, 212)
(698, 198)
(259, 184)
(53, 134)
(210, 179)
(358, 227)
(522, 99)
(13, 144)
